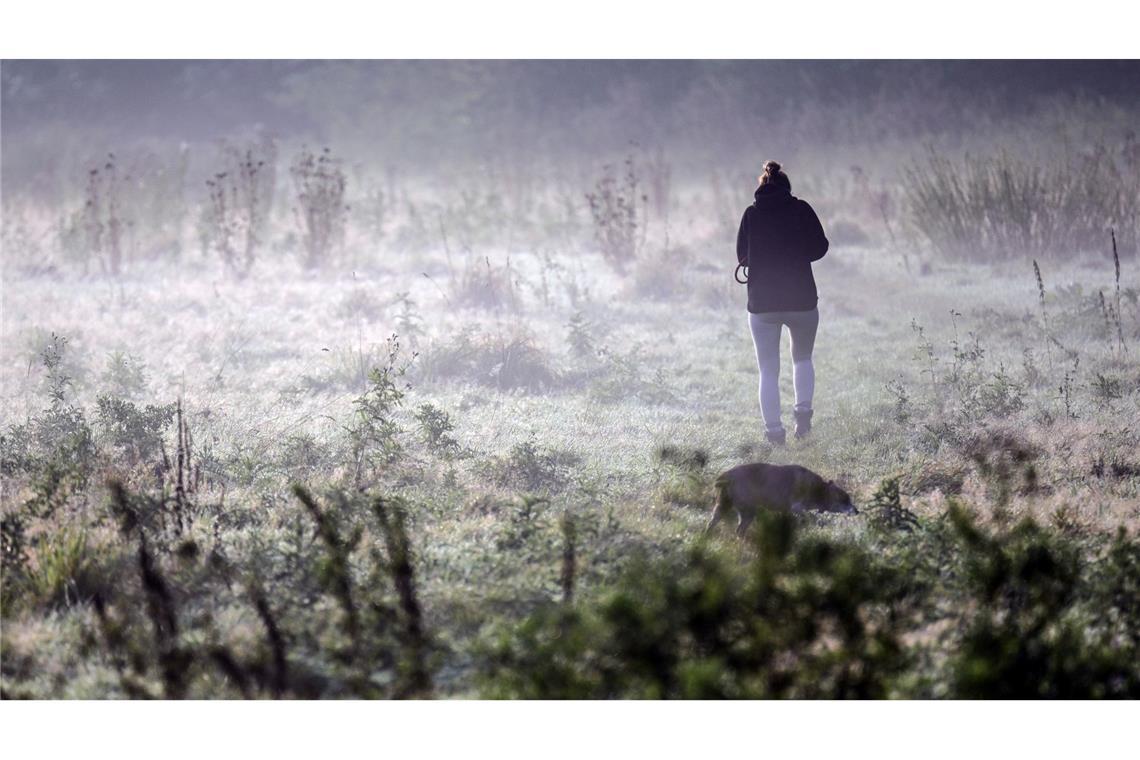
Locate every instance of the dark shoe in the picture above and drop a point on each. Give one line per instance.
(803, 423)
(776, 437)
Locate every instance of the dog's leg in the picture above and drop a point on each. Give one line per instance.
(717, 516)
(721, 506)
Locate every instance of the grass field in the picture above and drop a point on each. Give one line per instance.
(497, 501)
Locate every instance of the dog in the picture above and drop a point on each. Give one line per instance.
(748, 488)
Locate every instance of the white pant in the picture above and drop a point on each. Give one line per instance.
(766, 330)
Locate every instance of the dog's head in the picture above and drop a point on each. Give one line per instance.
(835, 499)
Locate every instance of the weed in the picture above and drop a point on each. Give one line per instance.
(64, 571)
(321, 212)
(531, 467)
(374, 431)
(1107, 388)
(125, 375)
(622, 378)
(617, 208)
(903, 407)
(408, 321)
(102, 217)
(240, 199)
(436, 428)
(526, 518)
(481, 284)
(579, 337)
(887, 510)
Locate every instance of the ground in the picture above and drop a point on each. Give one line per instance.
(927, 371)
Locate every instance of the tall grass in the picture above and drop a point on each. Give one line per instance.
(1001, 206)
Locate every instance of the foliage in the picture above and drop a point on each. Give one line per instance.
(374, 430)
(1029, 639)
(803, 618)
(531, 467)
(436, 427)
(137, 432)
(886, 509)
(579, 337)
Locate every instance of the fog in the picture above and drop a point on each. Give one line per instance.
(375, 379)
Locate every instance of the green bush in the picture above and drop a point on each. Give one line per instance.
(802, 618)
(135, 432)
(529, 466)
(1031, 637)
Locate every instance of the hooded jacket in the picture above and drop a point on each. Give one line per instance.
(780, 236)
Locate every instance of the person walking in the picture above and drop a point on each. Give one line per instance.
(779, 238)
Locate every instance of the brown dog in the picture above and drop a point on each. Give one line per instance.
(786, 487)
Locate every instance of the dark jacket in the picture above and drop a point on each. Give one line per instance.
(779, 237)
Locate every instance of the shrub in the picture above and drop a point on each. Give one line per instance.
(526, 518)
(1028, 639)
(375, 645)
(711, 627)
(531, 467)
(58, 439)
(580, 337)
(64, 571)
(409, 323)
(135, 432)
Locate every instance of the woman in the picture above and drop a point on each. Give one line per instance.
(779, 237)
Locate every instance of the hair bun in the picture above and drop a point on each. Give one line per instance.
(772, 168)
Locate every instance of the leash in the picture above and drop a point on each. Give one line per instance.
(736, 274)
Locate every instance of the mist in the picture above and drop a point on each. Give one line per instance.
(399, 379)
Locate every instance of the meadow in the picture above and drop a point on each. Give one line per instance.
(306, 432)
